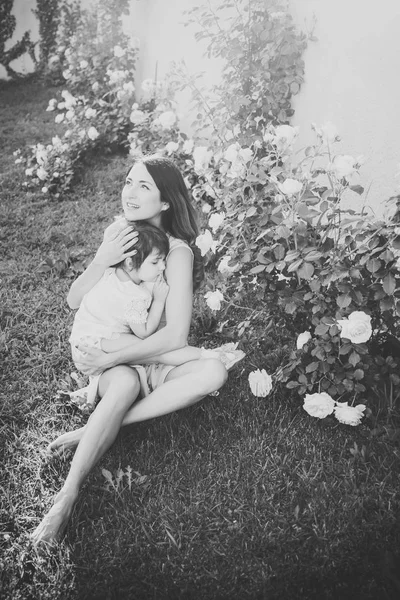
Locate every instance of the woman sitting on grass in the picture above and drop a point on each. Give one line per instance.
(154, 191)
(120, 310)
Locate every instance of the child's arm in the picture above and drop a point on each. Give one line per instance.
(160, 293)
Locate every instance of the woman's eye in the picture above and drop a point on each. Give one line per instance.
(144, 186)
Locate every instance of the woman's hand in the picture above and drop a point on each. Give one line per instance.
(114, 246)
(97, 358)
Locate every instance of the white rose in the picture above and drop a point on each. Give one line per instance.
(275, 16)
(83, 64)
(90, 113)
(224, 267)
(214, 299)
(45, 190)
(52, 105)
(206, 208)
(172, 147)
(167, 119)
(349, 415)
(56, 141)
(319, 405)
(56, 174)
(284, 137)
(188, 146)
(66, 74)
(92, 133)
(231, 153)
(202, 157)
(69, 115)
(302, 339)
(237, 169)
(129, 87)
(137, 117)
(95, 86)
(290, 187)
(42, 173)
(61, 105)
(119, 52)
(216, 220)
(59, 118)
(343, 166)
(246, 154)
(29, 172)
(327, 132)
(205, 242)
(148, 86)
(260, 383)
(357, 328)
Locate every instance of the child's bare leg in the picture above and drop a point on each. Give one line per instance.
(174, 357)
(179, 356)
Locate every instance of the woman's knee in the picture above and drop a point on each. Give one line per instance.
(124, 379)
(214, 374)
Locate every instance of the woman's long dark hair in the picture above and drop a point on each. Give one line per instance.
(180, 219)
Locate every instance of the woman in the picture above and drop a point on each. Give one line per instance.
(154, 191)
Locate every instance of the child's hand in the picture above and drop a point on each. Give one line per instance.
(160, 289)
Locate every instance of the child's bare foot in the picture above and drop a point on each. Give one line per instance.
(66, 441)
(53, 524)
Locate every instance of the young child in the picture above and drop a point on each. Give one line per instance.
(120, 309)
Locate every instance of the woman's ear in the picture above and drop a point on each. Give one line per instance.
(165, 206)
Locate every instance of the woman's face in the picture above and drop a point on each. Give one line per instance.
(141, 199)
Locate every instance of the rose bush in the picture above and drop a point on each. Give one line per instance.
(95, 106)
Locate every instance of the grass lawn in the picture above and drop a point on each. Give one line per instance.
(235, 498)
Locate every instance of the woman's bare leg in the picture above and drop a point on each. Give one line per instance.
(185, 385)
(118, 388)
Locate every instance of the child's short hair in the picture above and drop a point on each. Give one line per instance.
(150, 238)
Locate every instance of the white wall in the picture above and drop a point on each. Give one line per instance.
(352, 79)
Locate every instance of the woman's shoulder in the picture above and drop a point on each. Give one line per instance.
(177, 243)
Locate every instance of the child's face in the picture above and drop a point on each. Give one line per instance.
(152, 266)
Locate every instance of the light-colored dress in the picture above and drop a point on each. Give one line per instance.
(110, 308)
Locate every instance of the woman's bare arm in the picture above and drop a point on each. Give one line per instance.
(178, 310)
(111, 252)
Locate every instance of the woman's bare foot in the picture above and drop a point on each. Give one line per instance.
(53, 524)
(66, 441)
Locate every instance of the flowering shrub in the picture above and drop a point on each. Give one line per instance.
(331, 273)
(95, 105)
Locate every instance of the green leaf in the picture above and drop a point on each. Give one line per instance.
(321, 329)
(313, 255)
(358, 189)
(292, 384)
(343, 301)
(279, 252)
(306, 271)
(354, 359)
(257, 269)
(312, 367)
(373, 265)
(293, 267)
(389, 284)
(386, 304)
